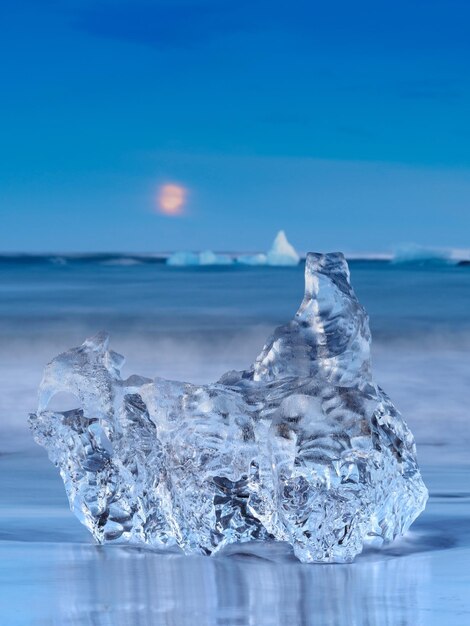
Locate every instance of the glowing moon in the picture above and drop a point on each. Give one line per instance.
(171, 199)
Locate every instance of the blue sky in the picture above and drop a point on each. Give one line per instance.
(347, 124)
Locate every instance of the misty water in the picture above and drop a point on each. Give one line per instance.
(193, 324)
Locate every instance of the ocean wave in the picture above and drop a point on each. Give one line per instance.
(58, 260)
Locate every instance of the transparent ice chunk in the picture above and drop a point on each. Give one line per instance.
(302, 447)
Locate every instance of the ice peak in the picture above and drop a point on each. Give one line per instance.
(98, 343)
(333, 265)
(280, 241)
(282, 252)
(329, 336)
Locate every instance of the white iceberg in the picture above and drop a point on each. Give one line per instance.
(252, 259)
(282, 252)
(207, 257)
(413, 254)
(181, 259)
(210, 258)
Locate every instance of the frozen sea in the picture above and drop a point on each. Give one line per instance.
(194, 324)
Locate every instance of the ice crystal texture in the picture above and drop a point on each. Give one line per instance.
(302, 447)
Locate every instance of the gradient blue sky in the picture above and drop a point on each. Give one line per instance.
(345, 123)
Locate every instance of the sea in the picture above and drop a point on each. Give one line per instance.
(193, 324)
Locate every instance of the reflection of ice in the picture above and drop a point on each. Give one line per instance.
(144, 588)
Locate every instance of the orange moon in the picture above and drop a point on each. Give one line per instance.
(171, 199)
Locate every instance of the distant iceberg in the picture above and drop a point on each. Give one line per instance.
(207, 257)
(252, 259)
(282, 252)
(179, 259)
(412, 254)
(210, 258)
